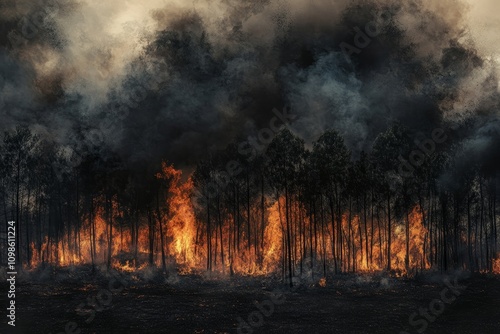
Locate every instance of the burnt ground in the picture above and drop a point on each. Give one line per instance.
(47, 302)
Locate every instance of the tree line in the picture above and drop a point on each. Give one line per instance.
(335, 211)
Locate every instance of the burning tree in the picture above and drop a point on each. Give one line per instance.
(290, 208)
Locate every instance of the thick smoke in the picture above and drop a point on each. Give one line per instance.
(174, 79)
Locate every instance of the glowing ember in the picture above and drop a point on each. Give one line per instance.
(322, 282)
(496, 266)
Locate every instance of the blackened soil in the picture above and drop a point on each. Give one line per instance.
(196, 304)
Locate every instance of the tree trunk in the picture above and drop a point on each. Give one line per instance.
(389, 232)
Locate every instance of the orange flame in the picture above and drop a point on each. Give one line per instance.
(496, 265)
(174, 226)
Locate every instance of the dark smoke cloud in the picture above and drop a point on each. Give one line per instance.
(87, 79)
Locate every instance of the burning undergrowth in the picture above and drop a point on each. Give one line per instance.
(370, 172)
(173, 239)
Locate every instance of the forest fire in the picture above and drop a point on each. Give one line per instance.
(250, 166)
(300, 219)
(299, 200)
(173, 235)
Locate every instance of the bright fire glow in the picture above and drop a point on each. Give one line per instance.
(185, 240)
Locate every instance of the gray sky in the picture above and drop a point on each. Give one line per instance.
(229, 63)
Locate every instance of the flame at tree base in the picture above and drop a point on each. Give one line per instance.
(171, 235)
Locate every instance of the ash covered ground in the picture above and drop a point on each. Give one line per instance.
(147, 301)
